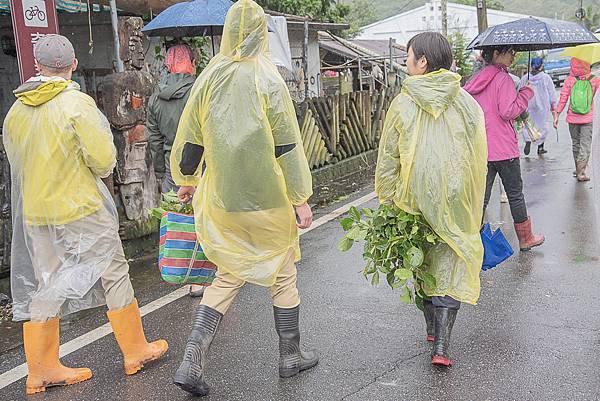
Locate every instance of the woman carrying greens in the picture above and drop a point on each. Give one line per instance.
(432, 162)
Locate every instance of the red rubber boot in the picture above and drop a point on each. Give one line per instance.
(527, 239)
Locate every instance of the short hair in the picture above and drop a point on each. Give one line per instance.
(488, 52)
(54, 70)
(436, 49)
(57, 70)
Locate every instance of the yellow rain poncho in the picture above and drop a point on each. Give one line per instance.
(65, 223)
(433, 162)
(240, 120)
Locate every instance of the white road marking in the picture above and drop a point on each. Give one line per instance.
(338, 212)
(76, 344)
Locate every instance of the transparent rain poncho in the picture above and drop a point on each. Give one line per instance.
(65, 223)
(240, 120)
(433, 161)
(595, 161)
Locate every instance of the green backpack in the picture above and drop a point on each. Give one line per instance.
(582, 96)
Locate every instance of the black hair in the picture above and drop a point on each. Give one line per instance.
(488, 52)
(434, 47)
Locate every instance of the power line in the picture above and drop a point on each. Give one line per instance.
(405, 6)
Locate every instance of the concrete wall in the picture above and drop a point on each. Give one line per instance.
(75, 27)
(314, 61)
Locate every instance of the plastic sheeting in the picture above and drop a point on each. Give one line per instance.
(595, 161)
(65, 223)
(433, 161)
(240, 112)
(279, 42)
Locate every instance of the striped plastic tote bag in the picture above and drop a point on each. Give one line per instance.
(181, 260)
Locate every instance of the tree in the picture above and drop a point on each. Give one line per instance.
(492, 4)
(322, 10)
(462, 56)
(592, 18)
(361, 13)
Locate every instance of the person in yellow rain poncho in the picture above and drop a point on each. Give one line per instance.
(239, 144)
(66, 252)
(432, 161)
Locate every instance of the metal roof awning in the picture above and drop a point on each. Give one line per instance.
(297, 22)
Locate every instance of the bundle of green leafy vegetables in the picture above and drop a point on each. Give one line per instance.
(396, 243)
(170, 203)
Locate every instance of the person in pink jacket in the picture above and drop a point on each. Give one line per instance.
(580, 125)
(494, 90)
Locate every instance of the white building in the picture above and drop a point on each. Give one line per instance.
(461, 18)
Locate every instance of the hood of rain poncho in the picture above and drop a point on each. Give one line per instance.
(65, 223)
(434, 92)
(175, 86)
(179, 60)
(433, 161)
(35, 93)
(580, 69)
(544, 99)
(595, 161)
(241, 119)
(484, 78)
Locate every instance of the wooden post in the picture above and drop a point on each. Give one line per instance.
(360, 76)
(392, 41)
(482, 22)
(444, 17)
(305, 60)
(115, 29)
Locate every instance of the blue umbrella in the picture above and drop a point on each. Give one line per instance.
(189, 19)
(531, 34)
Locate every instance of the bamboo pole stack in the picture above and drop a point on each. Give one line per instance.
(340, 126)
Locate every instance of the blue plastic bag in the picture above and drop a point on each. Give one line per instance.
(496, 248)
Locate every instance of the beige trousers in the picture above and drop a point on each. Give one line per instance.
(284, 292)
(86, 241)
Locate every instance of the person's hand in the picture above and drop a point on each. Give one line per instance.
(305, 216)
(185, 194)
(556, 121)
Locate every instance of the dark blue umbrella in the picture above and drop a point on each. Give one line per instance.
(189, 19)
(531, 34)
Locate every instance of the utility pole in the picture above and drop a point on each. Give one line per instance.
(482, 22)
(580, 13)
(445, 17)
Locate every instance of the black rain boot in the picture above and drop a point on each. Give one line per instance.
(429, 312)
(527, 149)
(190, 375)
(292, 360)
(443, 323)
(541, 150)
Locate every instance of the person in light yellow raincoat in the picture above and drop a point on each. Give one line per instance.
(66, 252)
(239, 144)
(432, 161)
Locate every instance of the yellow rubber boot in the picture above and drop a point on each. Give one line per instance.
(127, 325)
(41, 342)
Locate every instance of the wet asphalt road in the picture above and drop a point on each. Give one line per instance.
(533, 336)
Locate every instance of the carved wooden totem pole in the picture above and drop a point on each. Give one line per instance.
(124, 98)
(5, 214)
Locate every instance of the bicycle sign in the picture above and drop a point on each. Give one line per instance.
(31, 21)
(34, 12)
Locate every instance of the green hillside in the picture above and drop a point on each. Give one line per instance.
(542, 8)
